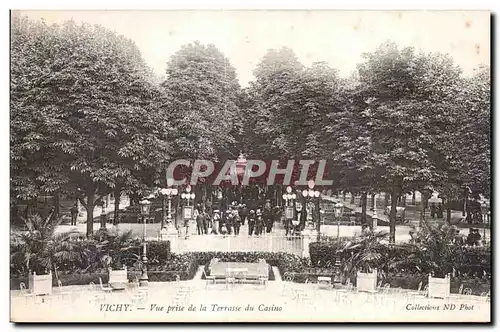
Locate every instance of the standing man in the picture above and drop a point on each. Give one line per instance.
(243, 213)
(236, 222)
(205, 220)
(433, 210)
(440, 210)
(199, 221)
(229, 221)
(74, 214)
(259, 223)
(251, 222)
(268, 216)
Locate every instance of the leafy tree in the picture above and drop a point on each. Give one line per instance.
(84, 113)
(203, 96)
(278, 79)
(407, 95)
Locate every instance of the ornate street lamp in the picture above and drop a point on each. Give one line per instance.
(145, 209)
(374, 216)
(289, 197)
(313, 195)
(103, 216)
(188, 210)
(485, 209)
(167, 193)
(426, 194)
(338, 210)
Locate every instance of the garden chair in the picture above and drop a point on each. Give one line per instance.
(411, 295)
(263, 281)
(137, 297)
(342, 294)
(230, 280)
(304, 298)
(95, 296)
(26, 294)
(386, 295)
(208, 279)
(182, 296)
(105, 289)
(467, 293)
(485, 296)
(287, 281)
(62, 292)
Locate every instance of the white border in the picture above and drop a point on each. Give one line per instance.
(186, 4)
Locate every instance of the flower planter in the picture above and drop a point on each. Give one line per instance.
(118, 278)
(439, 287)
(366, 281)
(40, 284)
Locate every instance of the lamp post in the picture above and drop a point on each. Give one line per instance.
(145, 208)
(289, 211)
(103, 217)
(485, 208)
(188, 209)
(288, 196)
(426, 193)
(374, 216)
(338, 210)
(167, 193)
(313, 195)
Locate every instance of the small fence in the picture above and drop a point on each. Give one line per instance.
(245, 243)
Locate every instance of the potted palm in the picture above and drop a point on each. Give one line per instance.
(40, 249)
(363, 259)
(433, 254)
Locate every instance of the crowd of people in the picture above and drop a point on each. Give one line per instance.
(228, 222)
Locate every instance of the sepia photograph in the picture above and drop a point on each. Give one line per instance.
(250, 166)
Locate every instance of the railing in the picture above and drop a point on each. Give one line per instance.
(227, 243)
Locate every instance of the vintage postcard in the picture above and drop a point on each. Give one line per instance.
(250, 166)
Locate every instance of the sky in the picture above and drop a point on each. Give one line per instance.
(337, 37)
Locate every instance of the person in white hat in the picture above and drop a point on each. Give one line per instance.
(215, 222)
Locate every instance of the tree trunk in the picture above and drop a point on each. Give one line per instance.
(413, 199)
(90, 214)
(372, 203)
(422, 208)
(57, 205)
(392, 215)
(352, 198)
(464, 208)
(117, 193)
(386, 200)
(363, 202)
(403, 200)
